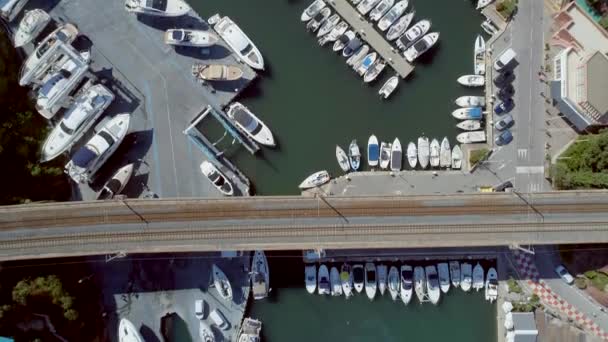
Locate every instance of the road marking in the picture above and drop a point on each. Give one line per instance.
(535, 187)
(522, 153)
(529, 169)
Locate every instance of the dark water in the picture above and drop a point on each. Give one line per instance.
(312, 100)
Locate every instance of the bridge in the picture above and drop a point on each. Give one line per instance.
(273, 223)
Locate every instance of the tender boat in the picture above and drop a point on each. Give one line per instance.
(346, 278)
(393, 282)
(217, 72)
(468, 113)
(205, 332)
(328, 25)
(221, 283)
(318, 20)
(389, 87)
(352, 46)
(435, 148)
(76, 120)
(373, 151)
(336, 284)
(31, 25)
(310, 278)
(194, 38)
(312, 10)
(366, 5)
(479, 59)
(380, 10)
(238, 41)
(400, 26)
(217, 178)
(432, 284)
(9, 9)
(373, 72)
(478, 274)
(456, 157)
(260, 275)
(117, 183)
(444, 276)
(413, 34)
(127, 332)
(471, 101)
(342, 159)
(250, 124)
(341, 42)
(159, 8)
(472, 80)
(382, 271)
(391, 16)
(358, 277)
(491, 292)
(488, 27)
(385, 155)
(250, 330)
(445, 153)
(466, 279)
(469, 125)
(89, 158)
(354, 155)
(357, 56)
(371, 283)
(314, 180)
(323, 284)
(471, 137)
(455, 271)
(483, 3)
(421, 46)
(424, 152)
(412, 155)
(336, 32)
(420, 283)
(396, 156)
(366, 63)
(406, 287)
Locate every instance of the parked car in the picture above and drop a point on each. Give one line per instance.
(504, 123)
(505, 59)
(504, 107)
(503, 186)
(219, 319)
(504, 138)
(563, 273)
(506, 92)
(199, 308)
(504, 77)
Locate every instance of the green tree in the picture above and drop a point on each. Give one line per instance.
(43, 290)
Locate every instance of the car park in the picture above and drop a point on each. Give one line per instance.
(504, 123)
(563, 273)
(504, 138)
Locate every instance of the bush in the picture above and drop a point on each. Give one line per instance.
(478, 155)
(584, 165)
(590, 274)
(604, 22)
(580, 283)
(513, 286)
(506, 8)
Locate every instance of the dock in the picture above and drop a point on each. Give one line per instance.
(372, 37)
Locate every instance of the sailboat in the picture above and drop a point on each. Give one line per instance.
(479, 59)
(491, 292)
(346, 278)
(117, 183)
(393, 282)
(420, 283)
(469, 125)
(432, 284)
(358, 277)
(423, 152)
(221, 283)
(336, 284)
(398, 28)
(312, 9)
(406, 288)
(373, 151)
(445, 154)
(389, 87)
(342, 159)
(412, 155)
(31, 25)
(323, 284)
(385, 155)
(354, 155)
(435, 153)
(260, 275)
(444, 276)
(396, 155)
(382, 278)
(466, 280)
(478, 274)
(392, 15)
(455, 273)
(456, 157)
(310, 278)
(316, 179)
(381, 8)
(371, 283)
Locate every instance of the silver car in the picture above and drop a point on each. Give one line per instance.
(563, 273)
(504, 123)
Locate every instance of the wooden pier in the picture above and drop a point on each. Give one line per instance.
(377, 42)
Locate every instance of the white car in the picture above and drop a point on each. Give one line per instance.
(563, 273)
(199, 308)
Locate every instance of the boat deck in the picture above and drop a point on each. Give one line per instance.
(374, 39)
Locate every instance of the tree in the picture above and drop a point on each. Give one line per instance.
(44, 290)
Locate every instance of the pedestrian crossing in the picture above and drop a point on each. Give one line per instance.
(522, 153)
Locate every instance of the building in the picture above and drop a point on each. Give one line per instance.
(524, 327)
(580, 69)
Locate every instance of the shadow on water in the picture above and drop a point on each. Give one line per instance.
(428, 57)
(174, 329)
(254, 90)
(211, 53)
(148, 334)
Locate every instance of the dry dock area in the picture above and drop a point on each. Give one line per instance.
(369, 34)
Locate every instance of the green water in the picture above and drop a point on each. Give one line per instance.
(312, 100)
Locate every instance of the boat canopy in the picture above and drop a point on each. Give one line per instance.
(179, 35)
(475, 113)
(247, 120)
(83, 157)
(373, 152)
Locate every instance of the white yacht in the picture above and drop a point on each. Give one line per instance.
(382, 271)
(89, 158)
(52, 86)
(491, 292)
(406, 288)
(334, 280)
(435, 148)
(468, 113)
(385, 155)
(375, 70)
(158, 8)
(358, 277)
(445, 153)
(413, 34)
(393, 282)
(396, 156)
(76, 120)
(472, 80)
(389, 87)
(373, 151)
(455, 273)
(366, 63)
(117, 183)
(217, 178)
(469, 125)
(333, 35)
(444, 276)
(398, 28)
(412, 155)
(423, 152)
(31, 25)
(316, 179)
(318, 20)
(471, 101)
(392, 15)
(432, 284)
(260, 275)
(323, 284)
(358, 56)
(456, 157)
(127, 332)
(250, 124)
(221, 283)
(238, 41)
(310, 278)
(342, 159)
(346, 278)
(420, 283)
(312, 9)
(479, 59)
(366, 5)
(342, 40)
(478, 274)
(186, 37)
(466, 274)
(371, 281)
(471, 137)
(9, 9)
(328, 25)
(354, 155)
(421, 46)
(380, 10)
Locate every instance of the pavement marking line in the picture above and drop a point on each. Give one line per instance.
(529, 169)
(522, 153)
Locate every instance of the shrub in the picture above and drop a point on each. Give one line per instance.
(513, 286)
(478, 155)
(590, 274)
(581, 283)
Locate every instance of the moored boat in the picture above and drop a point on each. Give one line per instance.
(342, 159)
(328, 25)
(117, 183)
(424, 152)
(445, 153)
(351, 47)
(336, 284)
(444, 276)
(250, 330)
(359, 277)
(127, 332)
(366, 5)
(472, 80)
(318, 20)
(9, 9)
(488, 27)
(389, 87)
(470, 101)
(217, 72)
(432, 283)
(421, 46)
(250, 124)
(373, 72)
(371, 281)
(373, 151)
(413, 34)
(471, 137)
(420, 283)
(217, 178)
(336, 32)
(435, 148)
(312, 9)
(396, 155)
(468, 113)
(354, 155)
(193, 38)
(483, 3)
(31, 25)
(469, 125)
(466, 280)
(240, 43)
(358, 56)
(398, 28)
(382, 271)
(366, 63)
(392, 15)
(314, 180)
(380, 10)
(491, 291)
(479, 59)
(412, 155)
(456, 157)
(260, 275)
(341, 42)
(478, 275)
(323, 283)
(385, 155)
(310, 278)
(221, 283)
(455, 271)
(346, 279)
(158, 8)
(393, 282)
(406, 281)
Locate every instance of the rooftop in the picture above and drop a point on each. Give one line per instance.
(597, 82)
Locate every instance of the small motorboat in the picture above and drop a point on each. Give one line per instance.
(382, 271)
(194, 38)
(260, 275)
(242, 46)
(335, 32)
(469, 125)
(421, 46)
(371, 281)
(373, 72)
(413, 34)
(366, 63)
(216, 72)
(471, 137)
(357, 56)
(217, 178)
(392, 15)
(358, 277)
(366, 5)
(346, 279)
(312, 10)
(483, 3)
(373, 151)
(478, 275)
(250, 124)
(468, 113)
(393, 282)
(479, 58)
(117, 183)
(250, 330)
(472, 80)
(221, 283)
(491, 292)
(341, 42)
(352, 47)
(488, 27)
(323, 284)
(205, 332)
(336, 284)
(127, 332)
(164, 8)
(318, 20)
(406, 288)
(412, 155)
(432, 282)
(385, 155)
(471, 101)
(455, 272)
(380, 10)
(435, 148)
(466, 279)
(398, 28)
(456, 157)
(420, 283)
(310, 278)
(31, 25)
(444, 276)
(328, 25)
(389, 87)
(424, 152)
(314, 180)
(342, 159)
(445, 153)
(396, 156)
(354, 155)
